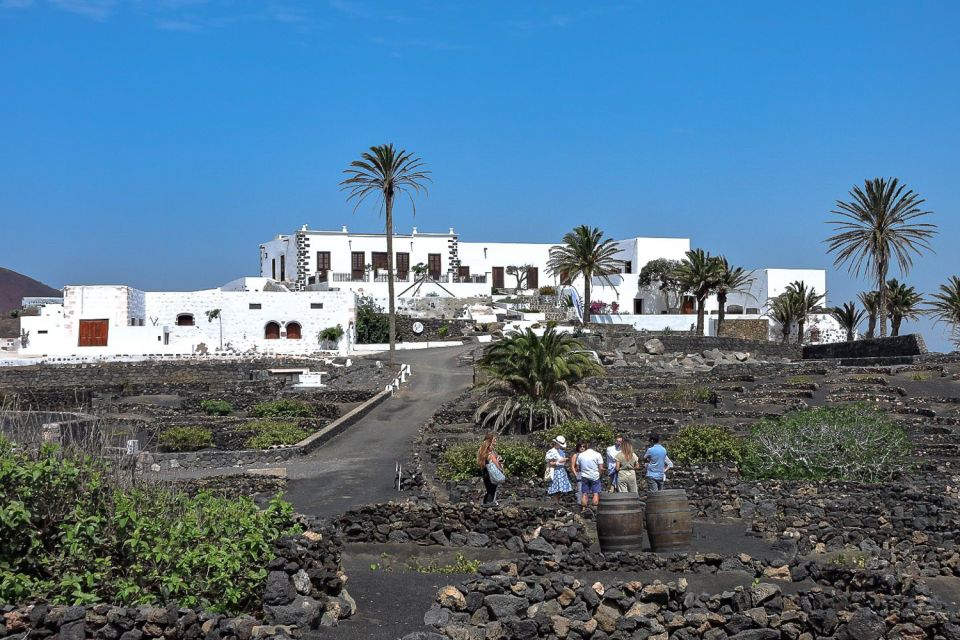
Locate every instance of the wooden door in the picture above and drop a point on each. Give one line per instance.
(93, 333)
(379, 261)
(498, 277)
(293, 331)
(323, 263)
(689, 305)
(533, 278)
(463, 274)
(638, 306)
(271, 331)
(433, 265)
(356, 265)
(403, 264)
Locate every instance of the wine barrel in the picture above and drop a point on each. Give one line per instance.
(620, 522)
(668, 520)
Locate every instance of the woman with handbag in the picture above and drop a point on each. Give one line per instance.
(557, 469)
(491, 467)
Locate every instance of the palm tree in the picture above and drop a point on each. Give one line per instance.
(903, 302)
(729, 280)
(871, 304)
(878, 226)
(384, 172)
(699, 273)
(849, 318)
(805, 302)
(945, 306)
(536, 381)
(784, 311)
(585, 253)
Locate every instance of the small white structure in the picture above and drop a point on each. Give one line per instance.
(250, 315)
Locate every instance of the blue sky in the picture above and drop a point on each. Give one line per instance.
(157, 142)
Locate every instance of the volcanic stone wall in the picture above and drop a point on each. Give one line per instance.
(909, 345)
(432, 331)
(746, 329)
(697, 344)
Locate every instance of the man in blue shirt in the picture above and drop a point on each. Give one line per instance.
(657, 464)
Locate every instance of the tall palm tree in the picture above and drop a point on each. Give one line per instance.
(586, 253)
(945, 306)
(784, 310)
(903, 302)
(849, 318)
(805, 301)
(384, 173)
(699, 273)
(729, 280)
(536, 381)
(877, 227)
(871, 304)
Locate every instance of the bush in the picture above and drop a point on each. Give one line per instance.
(373, 325)
(71, 535)
(216, 407)
(443, 330)
(548, 291)
(283, 408)
(520, 460)
(698, 444)
(185, 439)
(330, 334)
(268, 433)
(853, 442)
(601, 435)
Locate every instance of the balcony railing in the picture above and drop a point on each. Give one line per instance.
(380, 275)
(350, 277)
(471, 279)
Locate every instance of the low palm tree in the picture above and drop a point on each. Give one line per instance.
(871, 304)
(849, 318)
(903, 302)
(699, 273)
(586, 253)
(805, 302)
(878, 226)
(784, 311)
(384, 173)
(944, 306)
(729, 280)
(536, 381)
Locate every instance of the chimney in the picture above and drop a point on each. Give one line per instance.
(343, 229)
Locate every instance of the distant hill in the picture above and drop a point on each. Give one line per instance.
(15, 286)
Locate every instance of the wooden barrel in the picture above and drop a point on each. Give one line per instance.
(620, 522)
(668, 520)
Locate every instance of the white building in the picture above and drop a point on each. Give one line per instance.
(256, 315)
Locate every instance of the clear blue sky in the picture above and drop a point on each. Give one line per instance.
(157, 142)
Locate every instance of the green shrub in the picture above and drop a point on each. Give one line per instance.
(443, 330)
(71, 535)
(269, 433)
(801, 379)
(601, 435)
(216, 407)
(698, 444)
(283, 408)
(520, 460)
(373, 325)
(686, 395)
(548, 291)
(852, 442)
(330, 334)
(185, 438)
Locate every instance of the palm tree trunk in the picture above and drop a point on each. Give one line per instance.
(800, 324)
(586, 298)
(785, 330)
(721, 315)
(701, 302)
(882, 289)
(871, 325)
(895, 321)
(849, 334)
(391, 305)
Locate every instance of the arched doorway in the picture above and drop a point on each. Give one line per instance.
(185, 320)
(293, 331)
(272, 331)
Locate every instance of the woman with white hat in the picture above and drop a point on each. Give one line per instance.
(556, 470)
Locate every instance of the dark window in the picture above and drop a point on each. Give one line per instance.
(638, 306)
(283, 268)
(323, 262)
(316, 305)
(273, 268)
(734, 309)
(271, 331)
(42, 331)
(498, 277)
(256, 305)
(533, 278)
(433, 264)
(627, 266)
(293, 331)
(379, 260)
(565, 279)
(356, 265)
(463, 273)
(185, 320)
(403, 264)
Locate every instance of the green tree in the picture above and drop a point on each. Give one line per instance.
(878, 226)
(805, 302)
(384, 173)
(849, 317)
(729, 280)
(699, 273)
(945, 306)
(871, 304)
(903, 302)
(784, 310)
(586, 253)
(661, 274)
(536, 381)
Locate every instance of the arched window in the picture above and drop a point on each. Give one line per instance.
(293, 331)
(734, 309)
(271, 331)
(185, 320)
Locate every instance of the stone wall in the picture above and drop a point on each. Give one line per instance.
(909, 345)
(432, 331)
(742, 329)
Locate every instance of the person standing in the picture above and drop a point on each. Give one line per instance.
(627, 462)
(487, 454)
(657, 464)
(575, 470)
(557, 462)
(591, 465)
(611, 461)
